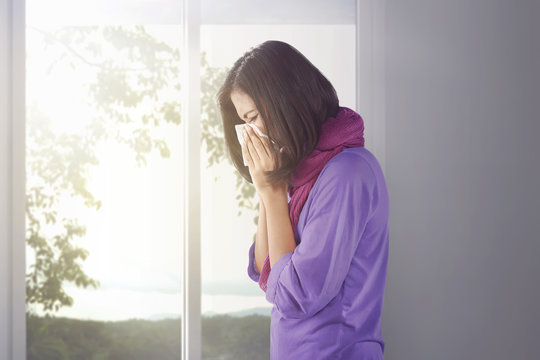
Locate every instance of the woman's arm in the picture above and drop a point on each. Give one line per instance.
(280, 234)
(261, 243)
(305, 279)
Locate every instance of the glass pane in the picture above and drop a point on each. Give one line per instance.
(236, 314)
(104, 185)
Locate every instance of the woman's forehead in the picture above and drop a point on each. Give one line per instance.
(243, 104)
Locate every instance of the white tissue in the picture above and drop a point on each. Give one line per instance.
(240, 127)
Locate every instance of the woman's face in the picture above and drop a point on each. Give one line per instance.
(246, 109)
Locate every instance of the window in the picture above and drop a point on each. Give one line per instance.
(235, 313)
(104, 180)
(111, 172)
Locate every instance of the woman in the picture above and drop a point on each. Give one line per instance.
(322, 241)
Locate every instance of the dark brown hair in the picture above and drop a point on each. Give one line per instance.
(292, 96)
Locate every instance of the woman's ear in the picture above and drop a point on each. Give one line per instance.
(281, 149)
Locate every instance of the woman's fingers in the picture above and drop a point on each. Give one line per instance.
(245, 152)
(257, 142)
(253, 154)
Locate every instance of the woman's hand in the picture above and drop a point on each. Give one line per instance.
(259, 158)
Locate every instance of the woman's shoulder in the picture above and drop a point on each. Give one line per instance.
(351, 164)
(354, 156)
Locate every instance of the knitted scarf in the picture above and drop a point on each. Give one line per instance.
(340, 132)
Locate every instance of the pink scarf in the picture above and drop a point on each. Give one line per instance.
(344, 131)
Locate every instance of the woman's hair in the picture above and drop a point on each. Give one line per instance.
(292, 97)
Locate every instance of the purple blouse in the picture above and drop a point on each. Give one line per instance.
(327, 294)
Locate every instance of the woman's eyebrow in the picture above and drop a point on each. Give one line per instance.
(249, 112)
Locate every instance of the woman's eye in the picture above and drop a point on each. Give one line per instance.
(253, 118)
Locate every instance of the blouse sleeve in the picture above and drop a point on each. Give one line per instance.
(304, 281)
(252, 269)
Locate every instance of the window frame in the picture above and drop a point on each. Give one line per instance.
(370, 99)
(12, 181)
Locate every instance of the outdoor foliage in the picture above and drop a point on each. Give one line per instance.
(227, 338)
(128, 102)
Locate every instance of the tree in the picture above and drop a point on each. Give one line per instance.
(138, 74)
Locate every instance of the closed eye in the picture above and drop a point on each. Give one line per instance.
(253, 118)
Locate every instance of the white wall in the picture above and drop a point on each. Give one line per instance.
(462, 149)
